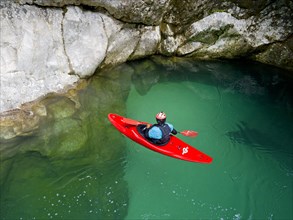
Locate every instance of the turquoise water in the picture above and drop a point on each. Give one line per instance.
(242, 124)
(242, 111)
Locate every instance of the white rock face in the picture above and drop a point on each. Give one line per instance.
(148, 42)
(33, 61)
(216, 21)
(85, 40)
(230, 33)
(44, 49)
(148, 12)
(121, 46)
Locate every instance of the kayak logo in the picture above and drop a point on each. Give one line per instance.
(184, 150)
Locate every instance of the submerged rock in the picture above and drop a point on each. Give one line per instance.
(58, 126)
(18, 123)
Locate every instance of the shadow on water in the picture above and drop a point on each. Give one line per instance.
(244, 77)
(258, 139)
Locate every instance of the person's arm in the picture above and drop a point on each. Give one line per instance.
(146, 130)
(174, 131)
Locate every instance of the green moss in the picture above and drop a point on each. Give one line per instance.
(210, 36)
(215, 10)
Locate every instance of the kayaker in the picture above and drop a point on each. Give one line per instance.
(160, 133)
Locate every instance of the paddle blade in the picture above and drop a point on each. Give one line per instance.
(189, 133)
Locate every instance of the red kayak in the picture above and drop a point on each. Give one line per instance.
(174, 148)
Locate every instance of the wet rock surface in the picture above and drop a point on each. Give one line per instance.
(48, 45)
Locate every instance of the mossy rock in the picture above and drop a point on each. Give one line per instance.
(65, 136)
(59, 107)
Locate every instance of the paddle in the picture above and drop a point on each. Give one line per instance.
(187, 133)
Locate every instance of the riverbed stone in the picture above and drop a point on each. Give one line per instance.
(66, 136)
(18, 122)
(59, 107)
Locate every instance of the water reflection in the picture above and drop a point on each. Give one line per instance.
(236, 77)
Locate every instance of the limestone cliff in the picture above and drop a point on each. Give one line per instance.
(47, 45)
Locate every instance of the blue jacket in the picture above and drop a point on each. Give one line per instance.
(160, 133)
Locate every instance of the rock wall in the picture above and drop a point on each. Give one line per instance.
(48, 45)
